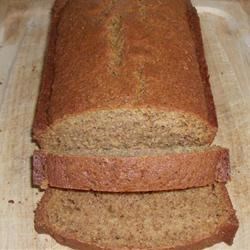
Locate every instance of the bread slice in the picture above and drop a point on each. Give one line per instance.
(124, 74)
(187, 219)
(132, 171)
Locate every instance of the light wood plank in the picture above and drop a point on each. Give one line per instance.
(23, 30)
(226, 33)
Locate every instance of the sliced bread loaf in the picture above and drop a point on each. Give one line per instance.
(124, 74)
(132, 171)
(177, 220)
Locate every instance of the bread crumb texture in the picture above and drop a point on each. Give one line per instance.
(145, 220)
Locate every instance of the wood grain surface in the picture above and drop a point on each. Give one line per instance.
(23, 30)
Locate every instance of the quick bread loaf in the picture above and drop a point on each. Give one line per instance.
(178, 220)
(125, 105)
(124, 75)
(133, 171)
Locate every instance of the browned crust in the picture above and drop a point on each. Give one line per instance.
(224, 233)
(132, 174)
(194, 23)
(43, 120)
(40, 123)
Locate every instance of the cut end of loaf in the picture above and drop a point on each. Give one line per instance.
(190, 219)
(124, 129)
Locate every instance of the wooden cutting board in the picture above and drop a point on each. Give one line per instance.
(23, 30)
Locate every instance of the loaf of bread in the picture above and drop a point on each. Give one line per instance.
(151, 170)
(125, 105)
(177, 220)
(124, 75)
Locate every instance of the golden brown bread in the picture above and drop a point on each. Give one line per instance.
(141, 171)
(178, 220)
(124, 74)
(128, 75)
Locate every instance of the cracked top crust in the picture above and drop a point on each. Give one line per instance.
(106, 55)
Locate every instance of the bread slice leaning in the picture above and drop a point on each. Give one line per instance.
(188, 219)
(133, 171)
